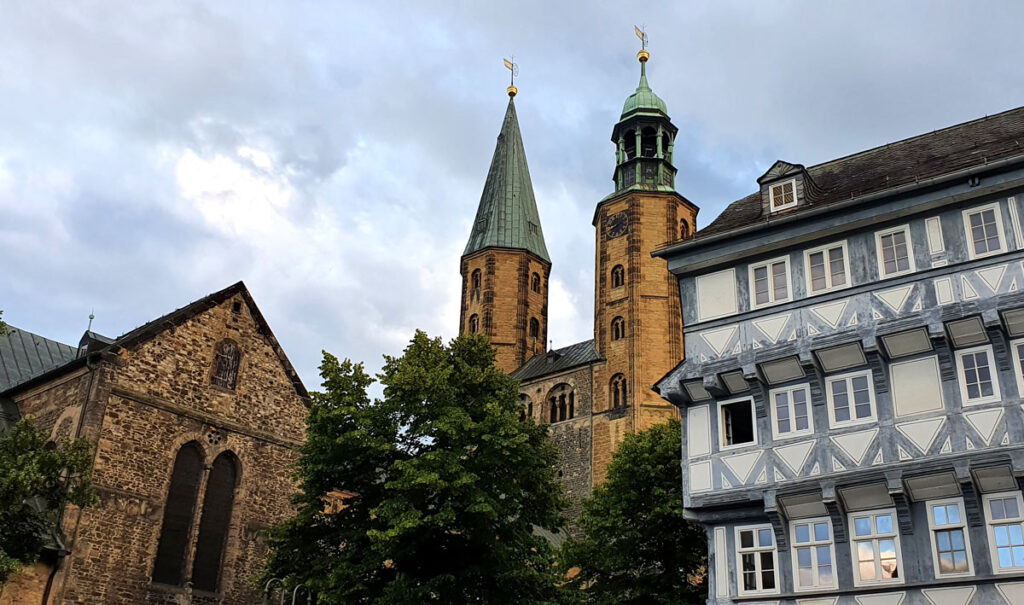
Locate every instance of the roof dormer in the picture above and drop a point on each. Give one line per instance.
(785, 186)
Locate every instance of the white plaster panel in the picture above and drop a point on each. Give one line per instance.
(716, 294)
(889, 598)
(832, 312)
(922, 433)
(985, 421)
(721, 564)
(698, 431)
(896, 297)
(960, 595)
(916, 386)
(821, 601)
(1013, 592)
(933, 226)
(742, 464)
(944, 291)
(855, 445)
(720, 338)
(795, 455)
(700, 476)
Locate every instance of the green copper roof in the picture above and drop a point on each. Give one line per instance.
(644, 98)
(507, 216)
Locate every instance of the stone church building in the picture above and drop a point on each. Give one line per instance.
(592, 393)
(196, 417)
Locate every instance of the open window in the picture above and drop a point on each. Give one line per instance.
(736, 422)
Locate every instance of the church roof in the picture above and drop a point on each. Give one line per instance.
(905, 162)
(24, 355)
(558, 360)
(507, 216)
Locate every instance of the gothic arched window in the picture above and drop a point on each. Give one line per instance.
(618, 276)
(214, 522)
(535, 283)
(534, 328)
(618, 328)
(474, 323)
(474, 284)
(228, 358)
(684, 229)
(179, 509)
(618, 391)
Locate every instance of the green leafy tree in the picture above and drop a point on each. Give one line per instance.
(634, 544)
(37, 479)
(445, 486)
(3, 326)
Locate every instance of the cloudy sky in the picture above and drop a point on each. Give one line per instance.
(331, 154)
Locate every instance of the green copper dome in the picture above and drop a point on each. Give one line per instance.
(643, 100)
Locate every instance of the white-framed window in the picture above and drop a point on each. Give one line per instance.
(984, 228)
(1017, 347)
(1003, 515)
(813, 554)
(736, 423)
(875, 544)
(895, 252)
(783, 195)
(979, 382)
(951, 544)
(757, 560)
(791, 411)
(851, 398)
(770, 282)
(827, 268)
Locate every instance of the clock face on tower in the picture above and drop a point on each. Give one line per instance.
(616, 225)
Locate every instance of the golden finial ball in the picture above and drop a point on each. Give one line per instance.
(643, 55)
(512, 91)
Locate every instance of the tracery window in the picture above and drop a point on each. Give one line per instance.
(684, 228)
(228, 358)
(214, 523)
(618, 391)
(179, 509)
(618, 276)
(618, 328)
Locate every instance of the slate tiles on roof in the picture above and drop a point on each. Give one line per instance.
(558, 360)
(904, 162)
(24, 355)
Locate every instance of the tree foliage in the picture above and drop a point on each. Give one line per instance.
(446, 486)
(635, 546)
(37, 479)
(3, 326)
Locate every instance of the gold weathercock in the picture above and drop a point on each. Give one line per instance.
(512, 67)
(643, 55)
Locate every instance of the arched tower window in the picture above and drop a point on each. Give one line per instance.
(618, 391)
(630, 144)
(562, 403)
(214, 522)
(534, 328)
(618, 276)
(684, 228)
(474, 284)
(179, 509)
(474, 323)
(535, 282)
(649, 142)
(618, 328)
(228, 358)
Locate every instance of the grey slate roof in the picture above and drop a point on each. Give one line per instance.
(24, 355)
(507, 207)
(558, 360)
(904, 162)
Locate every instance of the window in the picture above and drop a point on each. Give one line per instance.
(1005, 531)
(562, 400)
(978, 383)
(526, 407)
(756, 560)
(474, 323)
(984, 227)
(769, 282)
(895, 252)
(791, 411)
(736, 419)
(214, 522)
(951, 546)
(618, 276)
(684, 228)
(813, 554)
(876, 548)
(783, 195)
(534, 328)
(1017, 347)
(535, 283)
(228, 357)
(474, 285)
(851, 398)
(618, 328)
(169, 567)
(617, 391)
(826, 268)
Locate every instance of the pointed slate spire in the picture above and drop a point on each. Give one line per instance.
(507, 216)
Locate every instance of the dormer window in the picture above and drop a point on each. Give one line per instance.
(783, 195)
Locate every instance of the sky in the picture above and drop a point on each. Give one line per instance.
(332, 154)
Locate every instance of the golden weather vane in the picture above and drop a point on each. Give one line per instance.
(514, 69)
(640, 33)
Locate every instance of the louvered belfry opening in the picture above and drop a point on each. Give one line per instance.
(227, 361)
(178, 513)
(214, 522)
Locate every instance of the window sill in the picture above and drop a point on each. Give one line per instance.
(175, 589)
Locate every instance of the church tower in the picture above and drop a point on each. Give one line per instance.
(505, 266)
(637, 315)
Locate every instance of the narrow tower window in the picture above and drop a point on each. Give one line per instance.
(618, 391)
(474, 285)
(649, 142)
(535, 283)
(630, 140)
(177, 524)
(618, 328)
(684, 229)
(618, 276)
(225, 373)
(474, 323)
(534, 328)
(214, 523)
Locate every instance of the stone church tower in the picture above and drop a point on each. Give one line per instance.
(591, 394)
(505, 266)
